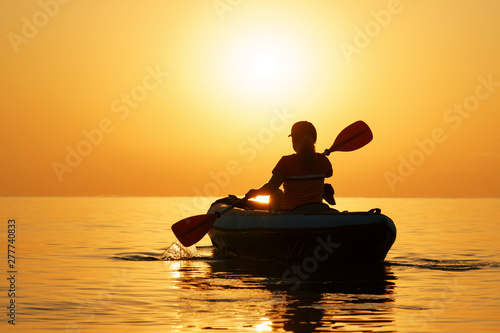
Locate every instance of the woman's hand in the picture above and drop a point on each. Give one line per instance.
(252, 194)
(270, 187)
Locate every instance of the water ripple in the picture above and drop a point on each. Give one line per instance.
(443, 265)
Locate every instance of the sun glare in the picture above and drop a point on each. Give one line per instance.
(261, 198)
(264, 64)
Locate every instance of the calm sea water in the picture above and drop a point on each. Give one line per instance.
(92, 264)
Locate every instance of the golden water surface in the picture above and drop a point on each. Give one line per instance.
(91, 264)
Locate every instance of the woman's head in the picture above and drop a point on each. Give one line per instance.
(303, 128)
(303, 139)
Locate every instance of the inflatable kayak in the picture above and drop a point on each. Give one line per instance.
(319, 236)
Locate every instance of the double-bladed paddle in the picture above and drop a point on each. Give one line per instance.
(191, 230)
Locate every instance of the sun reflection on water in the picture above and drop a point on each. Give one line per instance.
(265, 326)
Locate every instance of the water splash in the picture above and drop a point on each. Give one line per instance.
(177, 251)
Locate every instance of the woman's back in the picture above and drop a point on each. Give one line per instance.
(303, 184)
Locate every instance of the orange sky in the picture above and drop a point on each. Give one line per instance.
(197, 98)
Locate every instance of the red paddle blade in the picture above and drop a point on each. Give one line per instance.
(352, 137)
(191, 230)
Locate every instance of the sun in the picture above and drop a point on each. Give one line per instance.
(265, 65)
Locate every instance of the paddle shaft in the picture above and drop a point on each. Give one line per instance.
(231, 206)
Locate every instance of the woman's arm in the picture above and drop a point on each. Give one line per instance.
(270, 187)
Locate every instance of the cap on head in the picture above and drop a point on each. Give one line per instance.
(303, 128)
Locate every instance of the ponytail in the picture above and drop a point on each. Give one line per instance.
(306, 151)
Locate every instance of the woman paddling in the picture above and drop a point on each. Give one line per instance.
(302, 174)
